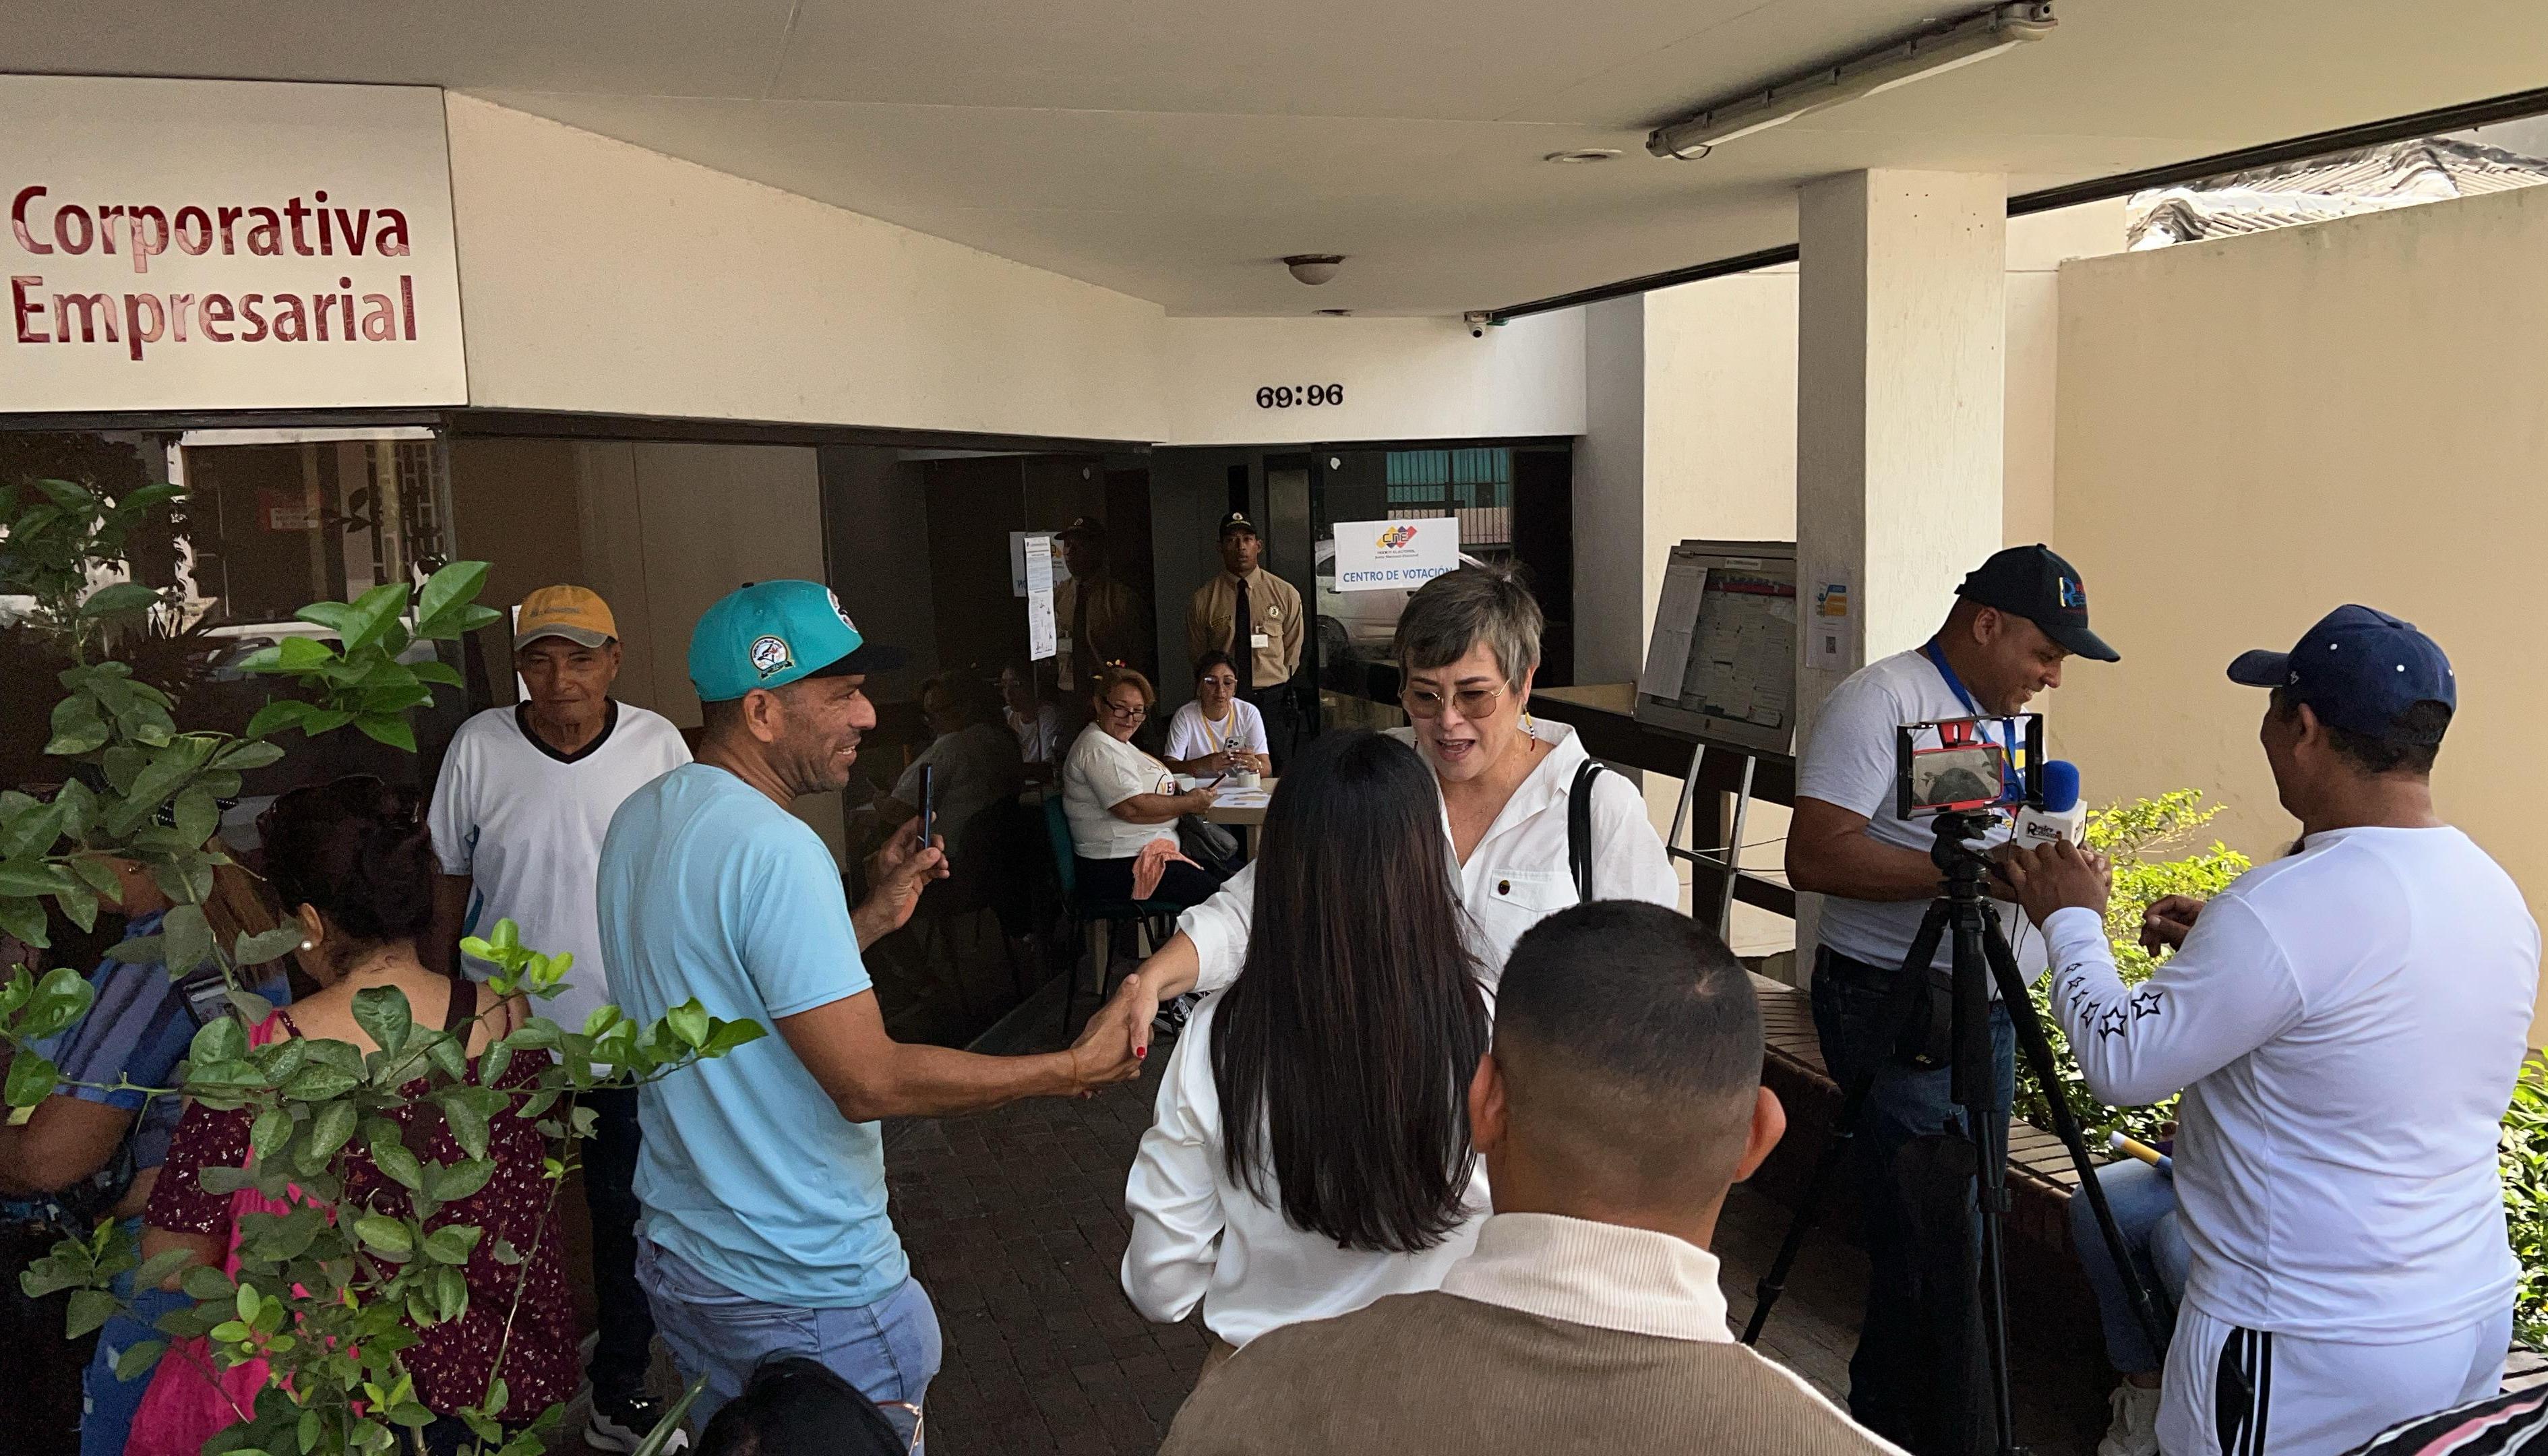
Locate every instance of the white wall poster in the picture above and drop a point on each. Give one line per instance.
(226, 245)
(1394, 555)
(1018, 563)
(1829, 634)
(1043, 640)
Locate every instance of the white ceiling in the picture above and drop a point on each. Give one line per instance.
(1175, 149)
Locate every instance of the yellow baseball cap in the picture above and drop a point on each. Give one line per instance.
(575, 613)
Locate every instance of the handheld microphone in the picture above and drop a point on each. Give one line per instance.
(2063, 815)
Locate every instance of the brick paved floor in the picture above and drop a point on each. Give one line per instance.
(1014, 1225)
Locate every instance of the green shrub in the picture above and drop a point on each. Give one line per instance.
(2524, 1161)
(2136, 836)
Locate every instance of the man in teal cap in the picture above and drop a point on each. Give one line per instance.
(761, 1172)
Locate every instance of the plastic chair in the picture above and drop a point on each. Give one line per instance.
(1099, 920)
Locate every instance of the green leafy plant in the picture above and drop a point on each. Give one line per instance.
(2522, 1158)
(2139, 836)
(330, 1296)
(64, 540)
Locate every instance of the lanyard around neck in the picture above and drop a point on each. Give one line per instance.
(2009, 779)
(1938, 658)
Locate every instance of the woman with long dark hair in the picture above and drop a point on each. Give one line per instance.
(1310, 1151)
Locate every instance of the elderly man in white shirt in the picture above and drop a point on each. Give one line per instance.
(1467, 644)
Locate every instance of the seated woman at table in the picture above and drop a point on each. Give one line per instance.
(1310, 1149)
(1121, 802)
(1218, 733)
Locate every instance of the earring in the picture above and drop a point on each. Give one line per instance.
(307, 944)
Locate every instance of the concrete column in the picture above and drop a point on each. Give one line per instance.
(1900, 403)
(1611, 602)
(1900, 400)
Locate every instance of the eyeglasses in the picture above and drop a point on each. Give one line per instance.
(1128, 710)
(1473, 702)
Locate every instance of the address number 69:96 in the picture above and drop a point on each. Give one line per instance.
(1285, 396)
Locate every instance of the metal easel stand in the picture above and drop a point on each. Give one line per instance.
(1726, 859)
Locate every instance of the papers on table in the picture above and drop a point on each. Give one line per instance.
(1230, 797)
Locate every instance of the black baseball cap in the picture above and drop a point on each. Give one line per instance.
(2042, 587)
(1087, 525)
(1237, 521)
(2360, 669)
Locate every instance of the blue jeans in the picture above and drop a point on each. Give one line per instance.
(2144, 1201)
(108, 1403)
(888, 1350)
(1855, 1022)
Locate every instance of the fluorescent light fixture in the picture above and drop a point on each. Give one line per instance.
(1976, 37)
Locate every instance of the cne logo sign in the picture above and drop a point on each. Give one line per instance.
(1395, 537)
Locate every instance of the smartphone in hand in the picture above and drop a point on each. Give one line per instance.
(928, 803)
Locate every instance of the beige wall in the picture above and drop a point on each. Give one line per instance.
(2256, 430)
(598, 275)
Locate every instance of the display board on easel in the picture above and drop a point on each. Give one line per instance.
(1721, 666)
(1721, 661)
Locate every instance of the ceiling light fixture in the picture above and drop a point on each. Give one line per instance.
(1582, 154)
(1313, 268)
(1976, 37)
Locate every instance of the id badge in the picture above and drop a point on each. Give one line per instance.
(1259, 640)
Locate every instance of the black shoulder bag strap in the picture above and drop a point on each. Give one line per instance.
(1579, 828)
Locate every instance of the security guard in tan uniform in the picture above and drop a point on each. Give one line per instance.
(1255, 617)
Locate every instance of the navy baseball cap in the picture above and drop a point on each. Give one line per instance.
(2359, 670)
(769, 634)
(2042, 587)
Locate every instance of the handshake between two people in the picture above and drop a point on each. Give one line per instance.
(2061, 875)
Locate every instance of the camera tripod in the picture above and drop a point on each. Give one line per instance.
(1980, 957)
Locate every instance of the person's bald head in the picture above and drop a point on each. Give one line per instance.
(1626, 1068)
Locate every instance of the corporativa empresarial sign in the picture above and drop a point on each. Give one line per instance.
(226, 245)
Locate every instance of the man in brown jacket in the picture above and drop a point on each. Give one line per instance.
(1621, 1100)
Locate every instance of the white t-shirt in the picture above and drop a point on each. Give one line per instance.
(2346, 1025)
(1199, 1237)
(1192, 736)
(1104, 771)
(1039, 737)
(974, 769)
(526, 824)
(1515, 877)
(1850, 761)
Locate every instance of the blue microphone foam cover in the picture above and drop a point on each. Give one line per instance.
(2060, 785)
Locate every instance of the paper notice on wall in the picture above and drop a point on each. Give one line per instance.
(1675, 614)
(1831, 623)
(1036, 549)
(1394, 555)
(1018, 563)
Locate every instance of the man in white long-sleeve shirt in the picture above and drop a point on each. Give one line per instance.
(2347, 1023)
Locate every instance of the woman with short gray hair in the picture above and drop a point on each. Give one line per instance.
(1468, 646)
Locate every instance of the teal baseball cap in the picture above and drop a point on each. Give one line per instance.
(769, 634)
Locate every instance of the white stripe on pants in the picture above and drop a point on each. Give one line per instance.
(2232, 1392)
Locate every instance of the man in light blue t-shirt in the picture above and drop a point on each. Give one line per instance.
(763, 1172)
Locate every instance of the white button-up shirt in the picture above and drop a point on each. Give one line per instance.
(1517, 876)
(1198, 1238)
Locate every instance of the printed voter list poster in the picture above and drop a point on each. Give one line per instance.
(1394, 555)
(1042, 634)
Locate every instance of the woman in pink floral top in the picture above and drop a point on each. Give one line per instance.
(353, 860)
